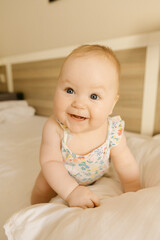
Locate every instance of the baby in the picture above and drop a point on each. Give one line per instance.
(79, 140)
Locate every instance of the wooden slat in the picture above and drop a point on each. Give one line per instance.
(129, 106)
(52, 63)
(3, 86)
(157, 118)
(37, 80)
(36, 73)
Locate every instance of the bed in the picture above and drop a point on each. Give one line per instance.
(19, 143)
(120, 216)
(129, 216)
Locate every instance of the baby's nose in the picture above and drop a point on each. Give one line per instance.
(79, 102)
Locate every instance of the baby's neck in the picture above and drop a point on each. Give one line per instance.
(84, 142)
(91, 133)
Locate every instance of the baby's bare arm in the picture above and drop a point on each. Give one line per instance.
(51, 161)
(82, 197)
(126, 166)
(56, 174)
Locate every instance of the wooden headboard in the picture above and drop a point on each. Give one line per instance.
(3, 84)
(157, 115)
(36, 76)
(37, 80)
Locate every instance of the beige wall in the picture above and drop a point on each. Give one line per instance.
(35, 25)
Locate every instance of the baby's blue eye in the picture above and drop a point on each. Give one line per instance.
(94, 96)
(70, 90)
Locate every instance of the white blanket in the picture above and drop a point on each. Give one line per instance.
(19, 165)
(129, 216)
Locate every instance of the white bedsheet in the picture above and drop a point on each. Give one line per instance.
(19, 149)
(129, 216)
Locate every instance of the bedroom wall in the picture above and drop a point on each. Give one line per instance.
(29, 26)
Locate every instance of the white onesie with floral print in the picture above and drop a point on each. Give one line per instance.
(88, 168)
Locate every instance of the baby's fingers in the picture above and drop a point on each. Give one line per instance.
(95, 200)
(90, 204)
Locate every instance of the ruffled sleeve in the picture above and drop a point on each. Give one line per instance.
(116, 128)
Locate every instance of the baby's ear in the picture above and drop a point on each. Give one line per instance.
(116, 98)
(114, 103)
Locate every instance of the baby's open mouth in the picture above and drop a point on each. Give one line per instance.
(77, 117)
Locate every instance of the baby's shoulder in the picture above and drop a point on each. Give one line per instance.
(52, 127)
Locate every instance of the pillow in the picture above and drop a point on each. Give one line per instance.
(14, 103)
(14, 111)
(132, 215)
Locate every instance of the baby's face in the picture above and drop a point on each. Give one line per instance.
(86, 93)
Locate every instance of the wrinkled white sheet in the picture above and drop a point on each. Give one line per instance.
(129, 216)
(19, 150)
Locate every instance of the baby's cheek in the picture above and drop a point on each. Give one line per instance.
(59, 102)
(58, 109)
(100, 114)
(98, 111)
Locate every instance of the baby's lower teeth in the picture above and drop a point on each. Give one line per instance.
(79, 117)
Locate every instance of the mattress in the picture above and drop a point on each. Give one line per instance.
(126, 216)
(20, 137)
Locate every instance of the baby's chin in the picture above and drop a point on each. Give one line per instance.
(76, 129)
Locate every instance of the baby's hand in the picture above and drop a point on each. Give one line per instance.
(82, 197)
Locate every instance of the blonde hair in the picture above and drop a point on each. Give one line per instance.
(97, 50)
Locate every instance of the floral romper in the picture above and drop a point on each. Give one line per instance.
(88, 168)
